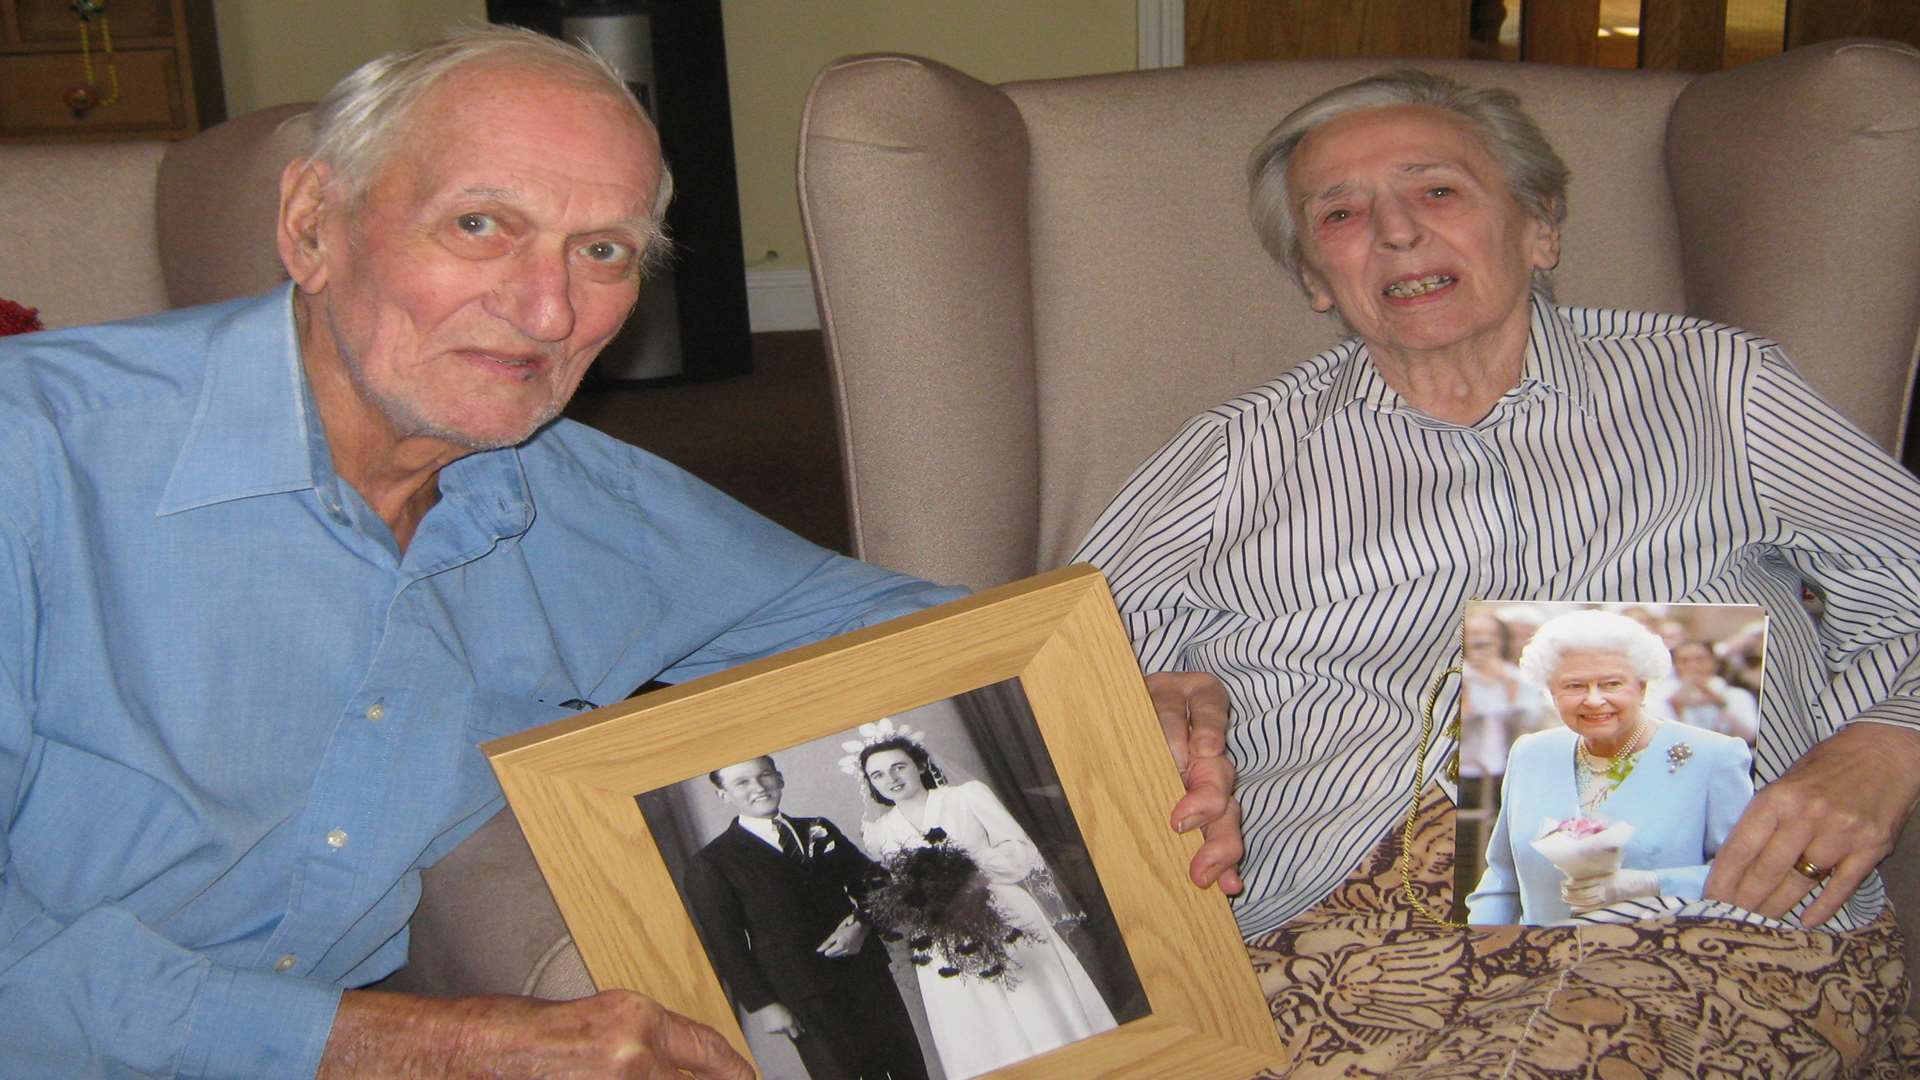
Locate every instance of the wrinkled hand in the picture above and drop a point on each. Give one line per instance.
(1193, 712)
(1584, 894)
(615, 1033)
(846, 938)
(1841, 805)
(777, 1019)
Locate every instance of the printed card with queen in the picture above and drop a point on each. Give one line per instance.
(1604, 752)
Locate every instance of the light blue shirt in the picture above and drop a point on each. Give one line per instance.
(1681, 808)
(235, 721)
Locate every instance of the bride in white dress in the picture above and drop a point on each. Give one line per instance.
(980, 1024)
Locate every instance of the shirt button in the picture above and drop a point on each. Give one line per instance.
(285, 963)
(376, 710)
(337, 838)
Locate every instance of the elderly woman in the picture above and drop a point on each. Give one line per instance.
(1679, 789)
(1313, 541)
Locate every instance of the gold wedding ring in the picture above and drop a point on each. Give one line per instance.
(1806, 869)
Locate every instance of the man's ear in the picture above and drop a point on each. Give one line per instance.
(298, 231)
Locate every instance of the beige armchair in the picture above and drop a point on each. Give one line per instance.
(1026, 288)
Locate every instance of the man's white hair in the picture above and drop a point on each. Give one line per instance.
(363, 121)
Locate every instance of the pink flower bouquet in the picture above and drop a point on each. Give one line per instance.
(1583, 847)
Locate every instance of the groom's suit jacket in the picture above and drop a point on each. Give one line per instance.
(762, 914)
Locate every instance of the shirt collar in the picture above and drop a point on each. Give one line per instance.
(1556, 357)
(766, 828)
(249, 433)
(256, 430)
(1555, 362)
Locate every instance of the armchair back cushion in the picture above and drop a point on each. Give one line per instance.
(1027, 288)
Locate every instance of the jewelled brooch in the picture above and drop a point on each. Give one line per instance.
(1677, 755)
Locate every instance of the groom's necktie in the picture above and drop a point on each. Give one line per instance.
(789, 840)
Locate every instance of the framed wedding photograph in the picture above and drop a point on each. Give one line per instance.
(935, 847)
(1604, 753)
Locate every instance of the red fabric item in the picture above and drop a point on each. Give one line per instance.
(15, 319)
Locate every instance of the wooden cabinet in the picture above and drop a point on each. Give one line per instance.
(160, 78)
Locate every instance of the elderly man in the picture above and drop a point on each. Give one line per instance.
(273, 568)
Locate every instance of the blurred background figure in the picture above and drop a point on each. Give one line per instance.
(1699, 695)
(1497, 705)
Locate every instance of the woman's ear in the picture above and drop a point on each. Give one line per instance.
(1546, 240)
(299, 231)
(1319, 296)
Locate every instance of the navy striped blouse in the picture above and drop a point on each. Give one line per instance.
(1313, 541)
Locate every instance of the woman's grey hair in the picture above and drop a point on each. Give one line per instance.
(1593, 631)
(364, 119)
(1535, 174)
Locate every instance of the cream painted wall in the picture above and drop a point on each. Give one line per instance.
(274, 51)
(774, 48)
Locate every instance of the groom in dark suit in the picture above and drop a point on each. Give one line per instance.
(774, 897)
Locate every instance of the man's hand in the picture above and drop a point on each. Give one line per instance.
(1841, 807)
(777, 1019)
(1193, 713)
(615, 1033)
(846, 938)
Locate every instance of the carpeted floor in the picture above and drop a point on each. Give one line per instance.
(766, 438)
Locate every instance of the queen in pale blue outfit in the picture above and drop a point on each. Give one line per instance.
(1680, 788)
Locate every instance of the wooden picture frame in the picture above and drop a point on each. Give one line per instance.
(573, 785)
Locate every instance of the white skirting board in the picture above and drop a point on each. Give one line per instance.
(781, 300)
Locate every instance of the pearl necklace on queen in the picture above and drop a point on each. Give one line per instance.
(1597, 777)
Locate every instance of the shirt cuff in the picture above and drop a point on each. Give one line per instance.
(1894, 712)
(254, 1024)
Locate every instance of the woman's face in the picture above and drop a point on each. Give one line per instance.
(1597, 694)
(1481, 641)
(894, 775)
(1408, 228)
(1695, 662)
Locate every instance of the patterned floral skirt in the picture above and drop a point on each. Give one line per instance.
(1362, 985)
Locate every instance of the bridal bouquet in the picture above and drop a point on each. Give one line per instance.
(936, 899)
(1583, 847)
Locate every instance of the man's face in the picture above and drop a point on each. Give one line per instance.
(1408, 229)
(495, 253)
(752, 788)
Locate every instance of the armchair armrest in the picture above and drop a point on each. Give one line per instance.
(487, 925)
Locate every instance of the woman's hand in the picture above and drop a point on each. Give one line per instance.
(1584, 894)
(1193, 712)
(1840, 808)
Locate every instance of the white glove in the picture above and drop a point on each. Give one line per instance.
(1584, 894)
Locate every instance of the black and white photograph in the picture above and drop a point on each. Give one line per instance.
(909, 897)
(1605, 753)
